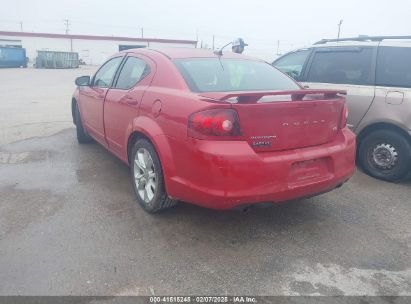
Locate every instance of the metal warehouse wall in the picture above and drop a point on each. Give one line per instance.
(92, 52)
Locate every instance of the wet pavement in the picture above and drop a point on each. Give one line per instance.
(69, 225)
(36, 102)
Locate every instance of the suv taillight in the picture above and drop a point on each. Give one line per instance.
(344, 117)
(214, 124)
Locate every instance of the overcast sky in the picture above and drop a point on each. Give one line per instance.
(261, 23)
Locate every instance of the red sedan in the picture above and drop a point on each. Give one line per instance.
(222, 132)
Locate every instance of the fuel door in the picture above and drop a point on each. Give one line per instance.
(394, 97)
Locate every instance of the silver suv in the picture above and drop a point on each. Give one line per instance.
(376, 73)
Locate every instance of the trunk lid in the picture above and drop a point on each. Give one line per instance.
(283, 120)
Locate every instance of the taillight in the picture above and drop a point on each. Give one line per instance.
(344, 116)
(214, 123)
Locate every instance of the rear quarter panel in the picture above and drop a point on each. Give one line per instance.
(168, 129)
(163, 117)
(383, 112)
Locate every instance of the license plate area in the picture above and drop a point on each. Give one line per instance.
(307, 171)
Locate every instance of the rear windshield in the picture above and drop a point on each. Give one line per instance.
(225, 75)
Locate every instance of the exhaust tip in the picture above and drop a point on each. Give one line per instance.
(248, 207)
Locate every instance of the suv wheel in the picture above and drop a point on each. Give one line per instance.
(386, 155)
(147, 178)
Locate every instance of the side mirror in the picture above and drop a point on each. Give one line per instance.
(83, 81)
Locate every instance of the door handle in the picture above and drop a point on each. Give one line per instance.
(129, 100)
(306, 87)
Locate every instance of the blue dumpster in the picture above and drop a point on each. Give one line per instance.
(12, 57)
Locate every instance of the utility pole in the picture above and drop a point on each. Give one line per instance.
(278, 47)
(339, 28)
(142, 32)
(21, 26)
(67, 24)
(213, 42)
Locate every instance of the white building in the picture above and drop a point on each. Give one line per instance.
(91, 49)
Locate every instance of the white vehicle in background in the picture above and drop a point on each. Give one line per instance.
(376, 73)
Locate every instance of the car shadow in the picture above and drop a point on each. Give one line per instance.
(323, 224)
(277, 216)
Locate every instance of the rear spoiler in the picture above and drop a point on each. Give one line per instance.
(250, 96)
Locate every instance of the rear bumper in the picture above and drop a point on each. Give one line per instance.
(229, 174)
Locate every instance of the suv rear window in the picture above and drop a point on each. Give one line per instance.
(224, 75)
(393, 67)
(342, 67)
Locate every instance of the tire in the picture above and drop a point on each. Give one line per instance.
(147, 178)
(386, 155)
(82, 136)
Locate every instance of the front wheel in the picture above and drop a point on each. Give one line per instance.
(386, 155)
(147, 178)
(82, 136)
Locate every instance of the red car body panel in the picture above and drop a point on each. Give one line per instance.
(224, 175)
(311, 155)
(121, 108)
(92, 104)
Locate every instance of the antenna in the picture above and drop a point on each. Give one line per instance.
(219, 52)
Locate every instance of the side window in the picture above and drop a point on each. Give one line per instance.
(342, 67)
(132, 72)
(105, 75)
(394, 67)
(292, 64)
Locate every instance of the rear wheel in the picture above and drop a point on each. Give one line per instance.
(386, 155)
(147, 178)
(82, 136)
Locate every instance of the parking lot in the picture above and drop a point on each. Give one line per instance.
(70, 225)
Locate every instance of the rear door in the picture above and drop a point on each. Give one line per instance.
(345, 68)
(123, 100)
(92, 99)
(393, 86)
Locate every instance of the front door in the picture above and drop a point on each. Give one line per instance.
(92, 99)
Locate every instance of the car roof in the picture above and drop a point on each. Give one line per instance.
(181, 52)
(346, 43)
(353, 43)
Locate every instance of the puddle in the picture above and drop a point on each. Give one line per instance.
(22, 157)
(332, 279)
(21, 208)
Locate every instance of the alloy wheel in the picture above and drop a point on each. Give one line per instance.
(145, 176)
